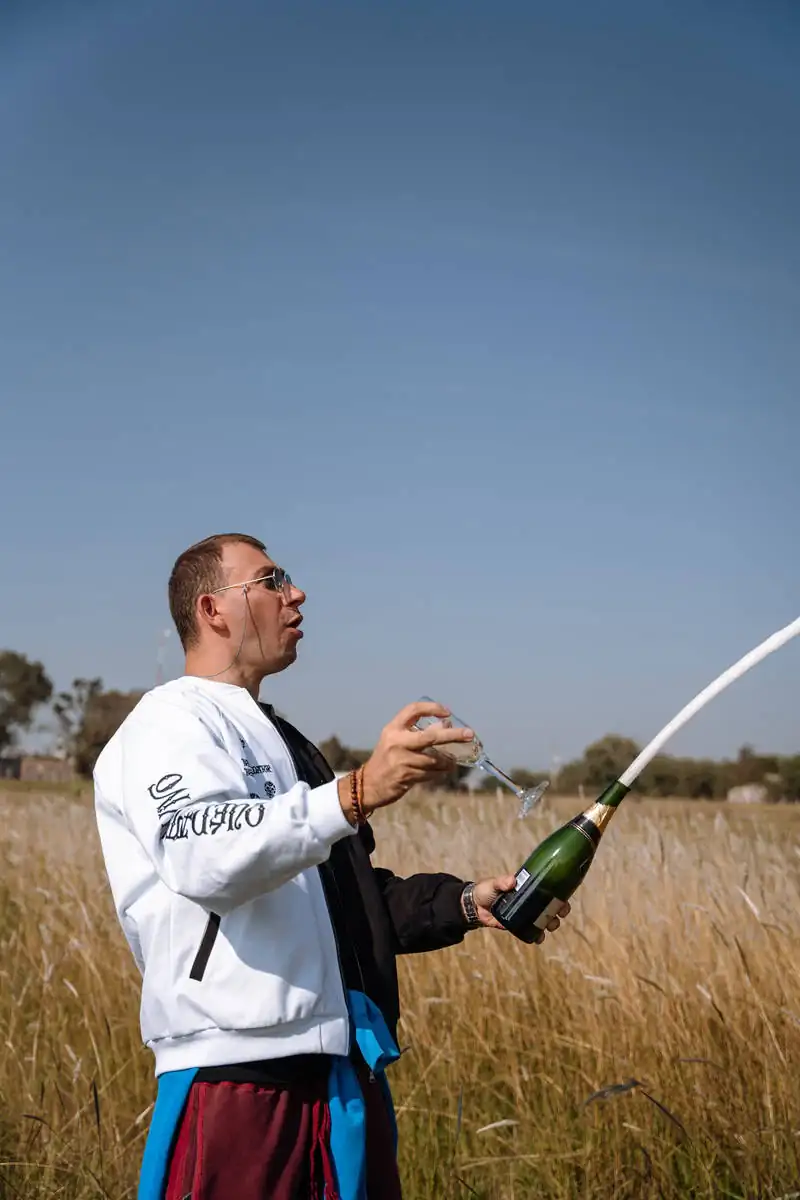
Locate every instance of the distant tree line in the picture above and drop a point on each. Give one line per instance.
(87, 715)
(694, 778)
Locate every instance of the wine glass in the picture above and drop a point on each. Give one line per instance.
(472, 754)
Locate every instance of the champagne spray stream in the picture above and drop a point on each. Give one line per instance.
(558, 866)
(744, 664)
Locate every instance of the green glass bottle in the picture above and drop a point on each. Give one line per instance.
(556, 868)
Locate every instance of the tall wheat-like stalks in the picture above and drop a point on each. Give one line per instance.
(651, 1048)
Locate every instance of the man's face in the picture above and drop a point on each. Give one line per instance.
(273, 618)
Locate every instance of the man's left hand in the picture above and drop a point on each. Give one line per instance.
(488, 890)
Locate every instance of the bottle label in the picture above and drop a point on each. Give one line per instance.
(547, 914)
(522, 877)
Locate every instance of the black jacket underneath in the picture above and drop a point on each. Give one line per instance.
(376, 915)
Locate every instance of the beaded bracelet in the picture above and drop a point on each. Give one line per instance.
(356, 795)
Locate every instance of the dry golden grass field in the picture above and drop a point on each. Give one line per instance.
(676, 980)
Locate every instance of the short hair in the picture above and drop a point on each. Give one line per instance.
(196, 571)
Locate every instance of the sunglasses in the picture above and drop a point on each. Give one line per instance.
(277, 580)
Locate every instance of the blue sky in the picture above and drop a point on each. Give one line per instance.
(485, 317)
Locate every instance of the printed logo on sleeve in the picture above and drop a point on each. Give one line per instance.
(210, 818)
(170, 794)
(179, 818)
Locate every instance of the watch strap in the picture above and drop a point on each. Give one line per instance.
(470, 907)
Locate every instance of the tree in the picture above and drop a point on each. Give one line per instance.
(24, 685)
(70, 711)
(571, 777)
(607, 758)
(790, 778)
(103, 714)
(662, 777)
(704, 779)
(340, 757)
(751, 767)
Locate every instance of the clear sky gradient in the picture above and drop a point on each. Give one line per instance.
(485, 316)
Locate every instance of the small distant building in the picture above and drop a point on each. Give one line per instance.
(749, 793)
(37, 768)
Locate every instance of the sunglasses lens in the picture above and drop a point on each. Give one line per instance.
(280, 581)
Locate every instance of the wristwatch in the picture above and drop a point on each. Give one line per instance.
(469, 907)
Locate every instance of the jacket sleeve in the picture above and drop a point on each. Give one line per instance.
(187, 801)
(424, 910)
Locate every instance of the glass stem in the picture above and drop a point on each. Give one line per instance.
(487, 765)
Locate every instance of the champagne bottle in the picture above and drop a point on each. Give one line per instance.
(559, 864)
(556, 868)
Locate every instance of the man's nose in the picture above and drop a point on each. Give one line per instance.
(296, 596)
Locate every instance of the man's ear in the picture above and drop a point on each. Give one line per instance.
(208, 613)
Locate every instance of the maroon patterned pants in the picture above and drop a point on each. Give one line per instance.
(245, 1141)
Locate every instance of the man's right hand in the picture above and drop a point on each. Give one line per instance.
(402, 757)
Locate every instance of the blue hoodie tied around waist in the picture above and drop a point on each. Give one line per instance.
(345, 1100)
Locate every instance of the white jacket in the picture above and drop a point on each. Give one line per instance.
(201, 817)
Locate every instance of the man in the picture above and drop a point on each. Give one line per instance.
(241, 874)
